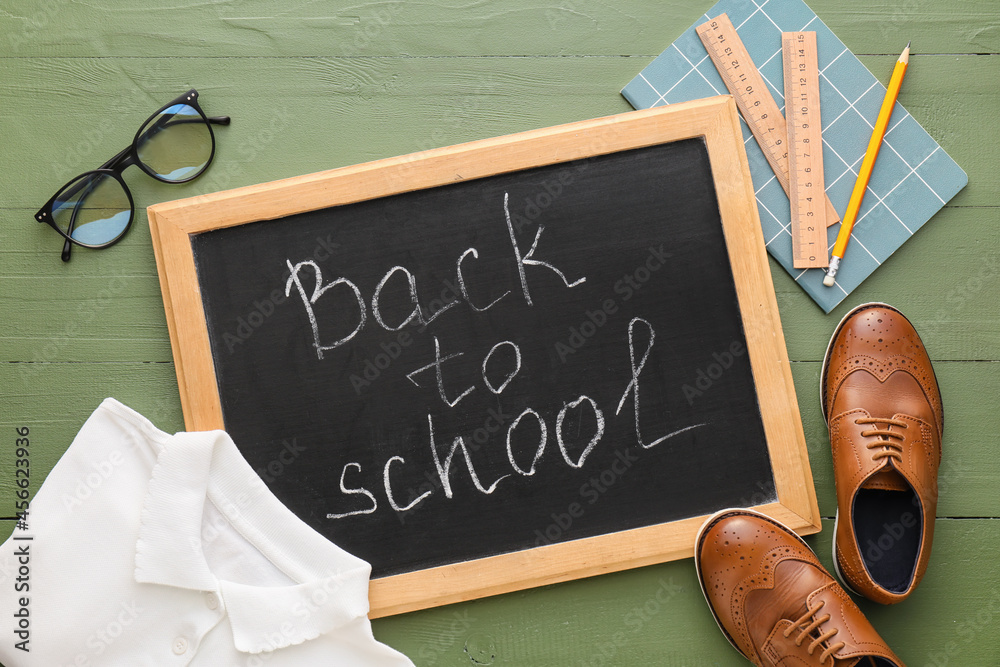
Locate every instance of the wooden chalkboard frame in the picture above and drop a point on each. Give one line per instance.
(713, 119)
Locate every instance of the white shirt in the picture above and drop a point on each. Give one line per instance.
(146, 549)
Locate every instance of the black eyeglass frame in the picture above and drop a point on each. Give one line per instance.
(124, 159)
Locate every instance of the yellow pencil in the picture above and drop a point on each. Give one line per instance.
(865, 173)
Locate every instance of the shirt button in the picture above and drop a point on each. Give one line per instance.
(212, 601)
(180, 645)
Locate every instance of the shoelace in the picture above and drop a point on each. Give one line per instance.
(891, 448)
(805, 631)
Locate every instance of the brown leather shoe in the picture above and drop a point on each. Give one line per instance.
(882, 404)
(775, 602)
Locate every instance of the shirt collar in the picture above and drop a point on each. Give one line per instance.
(332, 585)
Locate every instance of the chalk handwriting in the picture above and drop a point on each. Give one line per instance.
(346, 491)
(459, 446)
(500, 366)
(526, 259)
(541, 442)
(319, 290)
(444, 469)
(465, 290)
(388, 487)
(436, 365)
(416, 316)
(593, 441)
(633, 385)
(510, 376)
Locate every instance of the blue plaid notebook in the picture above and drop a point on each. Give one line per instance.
(913, 177)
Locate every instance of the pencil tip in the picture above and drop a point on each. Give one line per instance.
(905, 56)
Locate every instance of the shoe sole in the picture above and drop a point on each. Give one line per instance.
(709, 522)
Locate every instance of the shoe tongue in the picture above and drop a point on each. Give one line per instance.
(792, 578)
(886, 479)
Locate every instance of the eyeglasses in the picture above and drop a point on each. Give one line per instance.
(95, 209)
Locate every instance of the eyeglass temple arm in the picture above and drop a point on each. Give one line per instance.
(165, 122)
(67, 246)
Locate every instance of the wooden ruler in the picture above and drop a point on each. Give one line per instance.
(805, 151)
(758, 107)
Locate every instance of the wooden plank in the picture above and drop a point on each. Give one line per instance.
(90, 318)
(956, 318)
(322, 113)
(327, 113)
(657, 615)
(570, 621)
(41, 303)
(66, 75)
(496, 27)
(60, 396)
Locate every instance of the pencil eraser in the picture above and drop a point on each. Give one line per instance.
(829, 280)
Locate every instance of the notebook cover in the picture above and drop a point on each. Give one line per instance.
(913, 177)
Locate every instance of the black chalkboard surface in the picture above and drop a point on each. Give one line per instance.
(516, 363)
(628, 287)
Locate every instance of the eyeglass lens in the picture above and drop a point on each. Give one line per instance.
(94, 209)
(176, 144)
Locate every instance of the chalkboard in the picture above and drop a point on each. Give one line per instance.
(523, 363)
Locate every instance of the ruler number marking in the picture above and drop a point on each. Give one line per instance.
(806, 169)
(760, 111)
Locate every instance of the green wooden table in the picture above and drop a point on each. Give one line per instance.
(311, 86)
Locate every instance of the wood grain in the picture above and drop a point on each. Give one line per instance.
(306, 94)
(272, 28)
